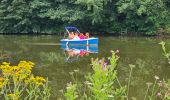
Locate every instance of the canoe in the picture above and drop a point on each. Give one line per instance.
(83, 42)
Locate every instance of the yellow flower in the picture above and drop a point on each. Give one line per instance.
(19, 73)
(5, 63)
(1, 82)
(38, 80)
(13, 96)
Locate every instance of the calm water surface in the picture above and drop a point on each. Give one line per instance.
(143, 52)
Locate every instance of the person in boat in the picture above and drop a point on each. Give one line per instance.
(81, 36)
(70, 35)
(76, 37)
(87, 35)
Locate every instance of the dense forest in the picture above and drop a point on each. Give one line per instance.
(50, 16)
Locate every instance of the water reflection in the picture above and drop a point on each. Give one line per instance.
(73, 53)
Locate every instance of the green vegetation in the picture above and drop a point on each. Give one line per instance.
(103, 84)
(17, 82)
(50, 16)
(100, 84)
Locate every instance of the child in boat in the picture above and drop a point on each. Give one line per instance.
(81, 36)
(87, 35)
(76, 37)
(71, 35)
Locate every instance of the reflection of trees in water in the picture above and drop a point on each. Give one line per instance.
(145, 70)
(2, 38)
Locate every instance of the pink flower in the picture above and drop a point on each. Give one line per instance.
(100, 61)
(158, 94)
(117, 51)
(111, 51)
(104, 67)
(105, 64)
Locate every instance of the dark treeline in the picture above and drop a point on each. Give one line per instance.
(50, 16)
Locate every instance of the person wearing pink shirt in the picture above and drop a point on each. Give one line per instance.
(81, 36)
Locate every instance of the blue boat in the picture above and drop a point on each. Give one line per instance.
(83, 42)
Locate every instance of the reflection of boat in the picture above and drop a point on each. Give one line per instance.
(73, 52)
(91, 41)
(90, 49)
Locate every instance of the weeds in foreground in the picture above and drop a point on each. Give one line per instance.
(100, 85)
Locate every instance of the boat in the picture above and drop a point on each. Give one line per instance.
(93, 41)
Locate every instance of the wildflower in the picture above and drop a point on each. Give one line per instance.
(105, 64)
(158, 94)
(5, 63)
(1, 79)
(38, 80)
(131, 66)
(76, 70)
(104, 67)
(117, 51)
(156, 77)
(13, 96)
(100, 61)
(26, 81)
(111, 51)
(160, 83)
(1, 84)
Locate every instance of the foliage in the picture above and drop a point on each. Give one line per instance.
(99, 85)
(145, 15)
(158, 90)
(50, 16)
(165, 53)
(18, 82)
(71, 93)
